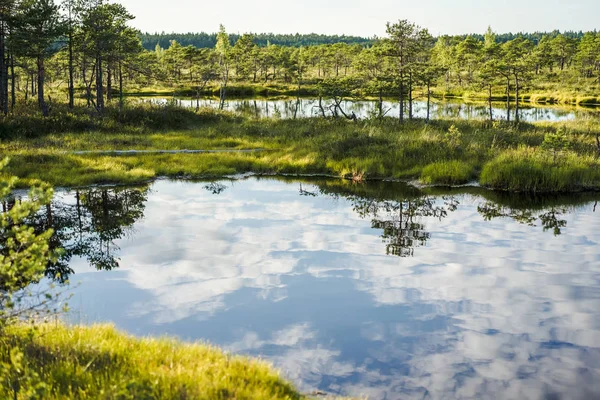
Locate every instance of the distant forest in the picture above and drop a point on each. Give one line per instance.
(205, 40)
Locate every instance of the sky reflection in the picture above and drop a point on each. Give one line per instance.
(484, 309)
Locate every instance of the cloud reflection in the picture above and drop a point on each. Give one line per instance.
(487, 309)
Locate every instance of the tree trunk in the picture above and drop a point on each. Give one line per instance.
(490, 103)
(428, 100)
(13, 94)
(507, 99)
(108, 82)
(401, 113)
(321, 106)
(517, 98)
(88, 93)
(410, 96)
(120, 87)
(223, 90)
(99, 87)
(71, 67)
(3, 69)
(41, 99)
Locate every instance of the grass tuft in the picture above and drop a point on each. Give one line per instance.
(97, 361)
(447, 173)
(530, 170)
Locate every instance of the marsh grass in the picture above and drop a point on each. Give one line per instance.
(500, 155)
(94, 362)
(528, 169)
(448, 173)
(236, 89)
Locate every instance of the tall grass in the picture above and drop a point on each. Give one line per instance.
(527, 169)
(98, 362)
(448, 173)
(439, 152)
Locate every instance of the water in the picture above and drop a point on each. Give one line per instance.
(379, 290)
(303, 108)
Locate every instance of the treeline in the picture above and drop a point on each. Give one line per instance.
(87, 50)
(534, 37)
(204, 40)
(408, 59)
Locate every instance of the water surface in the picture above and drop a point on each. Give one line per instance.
(306, 107)
(378, 290)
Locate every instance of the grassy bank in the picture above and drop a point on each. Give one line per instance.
(558, 97)
(573, 92)
(563, 89)
(501, 156)
(99, 362)
(237, 89)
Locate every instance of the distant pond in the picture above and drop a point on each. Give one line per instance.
(306, 107)
(375, 289)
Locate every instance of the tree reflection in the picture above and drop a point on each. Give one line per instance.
(397, 210)
(550, 219)
(88, 225)
(215, 187)
(401, 221)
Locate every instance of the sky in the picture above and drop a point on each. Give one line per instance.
(364, 18)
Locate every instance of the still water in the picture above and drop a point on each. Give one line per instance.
(303, 108)
(376, 290)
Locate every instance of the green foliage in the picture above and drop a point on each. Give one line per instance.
(23, 254)
(57, 362)
(453, 136)
(17, 379)
(102, 55)
(556, 142)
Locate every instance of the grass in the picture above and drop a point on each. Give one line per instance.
(499, 155)
(526, 169)
(98, 362)
(447, 172)
(560, 87)
(235, 89)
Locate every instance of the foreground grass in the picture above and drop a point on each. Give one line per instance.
(98, 362)
(500, 156)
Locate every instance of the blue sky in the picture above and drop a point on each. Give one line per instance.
(366, 18)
